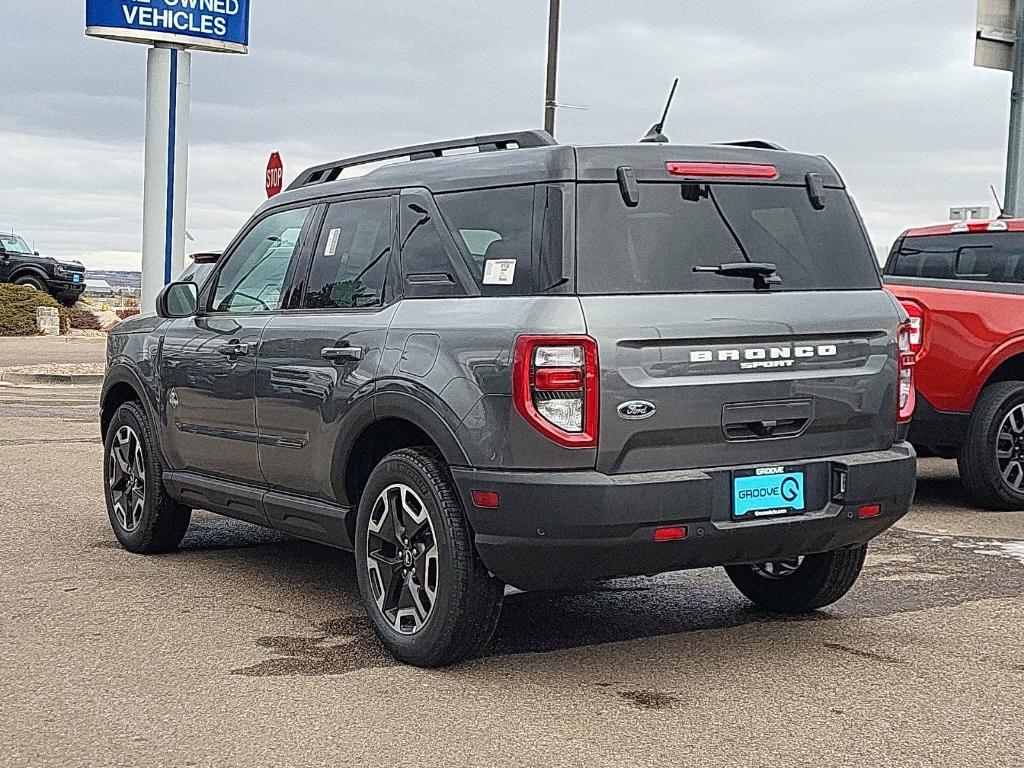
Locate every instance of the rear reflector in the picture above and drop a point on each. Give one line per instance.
(723, 170)
(674, 533)
(486, 499)
(869, 511)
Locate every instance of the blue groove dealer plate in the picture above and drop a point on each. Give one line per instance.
(768, 492)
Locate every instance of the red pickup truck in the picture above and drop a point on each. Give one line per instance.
(963, 286)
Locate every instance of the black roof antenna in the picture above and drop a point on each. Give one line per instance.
(655, 135)
(1002, 211)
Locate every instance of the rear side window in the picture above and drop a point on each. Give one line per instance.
(350, 260)
(494, 227)
(994, 258)
(653, 247)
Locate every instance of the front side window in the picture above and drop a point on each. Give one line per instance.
(253, 276)
(351, 258)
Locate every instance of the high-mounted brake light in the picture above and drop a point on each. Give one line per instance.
(555, 387)
(907, 360)
(723, 170)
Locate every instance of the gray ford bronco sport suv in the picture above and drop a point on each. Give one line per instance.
(512, 362)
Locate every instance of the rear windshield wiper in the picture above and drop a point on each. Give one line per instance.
(764, 274)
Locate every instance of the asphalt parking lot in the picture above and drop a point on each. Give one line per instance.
(248, 648)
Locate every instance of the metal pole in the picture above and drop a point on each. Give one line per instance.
(549, 98)
(168, 82)
(1014, 201)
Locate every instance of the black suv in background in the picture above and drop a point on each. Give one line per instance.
(64, 280)
(532, 364)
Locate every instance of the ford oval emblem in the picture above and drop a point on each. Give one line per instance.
(636, 410)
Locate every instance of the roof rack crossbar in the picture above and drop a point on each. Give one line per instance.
(753, 144)
(492, 143)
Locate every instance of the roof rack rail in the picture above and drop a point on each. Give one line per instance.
(321, 174)
(754, 144)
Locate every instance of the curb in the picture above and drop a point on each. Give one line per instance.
(67, 379)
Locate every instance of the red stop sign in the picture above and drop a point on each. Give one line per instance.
(275, 175)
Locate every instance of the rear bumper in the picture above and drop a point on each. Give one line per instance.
(561, 528)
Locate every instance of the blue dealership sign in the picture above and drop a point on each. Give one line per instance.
(207, 25)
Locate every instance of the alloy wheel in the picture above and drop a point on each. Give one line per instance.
(1010, 449)
(126, 476)
(401, 559)
(779, 569)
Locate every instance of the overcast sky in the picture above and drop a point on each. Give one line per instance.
(886, 90)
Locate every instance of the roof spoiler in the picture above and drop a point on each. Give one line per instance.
(753, 144)
(321, 174)
(207, 257)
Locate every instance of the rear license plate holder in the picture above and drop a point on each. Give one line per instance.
(769, 492)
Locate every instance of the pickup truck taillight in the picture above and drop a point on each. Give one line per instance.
(916, 323)
(555, 387)
(907, 360)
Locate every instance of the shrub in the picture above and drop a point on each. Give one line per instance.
(84, 319)
(18, 305)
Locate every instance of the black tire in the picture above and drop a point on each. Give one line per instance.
(32, 282)
(467, 600)
(161, 524)
(818, 581)
(977, 461)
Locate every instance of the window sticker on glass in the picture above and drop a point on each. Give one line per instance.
(332, 242)
(499, 272)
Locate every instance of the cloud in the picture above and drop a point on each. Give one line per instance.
(886, 90)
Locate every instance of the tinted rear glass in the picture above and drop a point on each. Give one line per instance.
(995, 258)
(494, 230)
(654, 247)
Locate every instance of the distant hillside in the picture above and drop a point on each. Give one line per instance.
(116, 279)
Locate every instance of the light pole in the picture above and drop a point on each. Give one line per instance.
(552, 84)
(1013, 201)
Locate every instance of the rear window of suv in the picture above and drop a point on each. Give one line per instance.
(653, 247)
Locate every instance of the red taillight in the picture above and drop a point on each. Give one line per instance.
(916, 323)
(558, 379)
(670, 533)
(907, 360)
(723, 170)
(555, 387)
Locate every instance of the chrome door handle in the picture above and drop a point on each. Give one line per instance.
(233, 349)
(341, 353)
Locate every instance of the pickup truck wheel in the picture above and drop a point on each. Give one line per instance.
(32, 282)
(144, 518)
(430, 597)
(991, 460)
(800, 585)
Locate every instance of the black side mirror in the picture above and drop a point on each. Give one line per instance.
(178, 300)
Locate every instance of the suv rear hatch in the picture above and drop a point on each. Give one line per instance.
(705, 370)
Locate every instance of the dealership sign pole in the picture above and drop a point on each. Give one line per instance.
(173, 28)
(999, 46)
